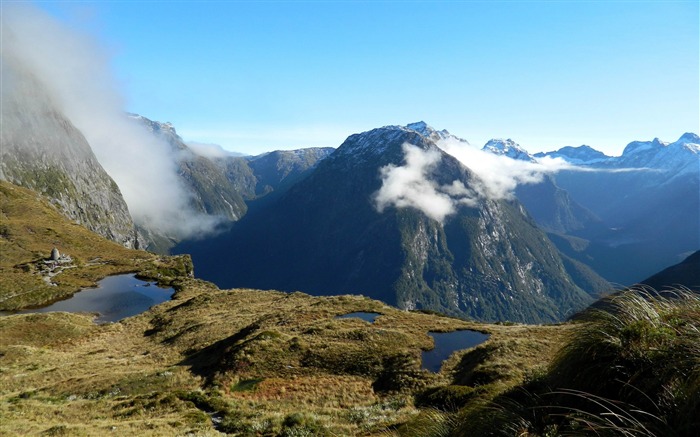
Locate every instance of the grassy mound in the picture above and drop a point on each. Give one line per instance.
(30, 227)
(630, 368)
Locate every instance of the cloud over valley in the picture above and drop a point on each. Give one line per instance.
(495, 177)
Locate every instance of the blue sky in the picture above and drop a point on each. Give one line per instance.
(259, 76)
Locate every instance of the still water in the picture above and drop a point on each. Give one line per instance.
(367, 317)
(115, 298)
(448, 342)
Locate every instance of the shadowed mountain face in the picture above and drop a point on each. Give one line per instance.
(43, 151)
(219, 187)
(554, 210)
(685, 273)
(488, 260)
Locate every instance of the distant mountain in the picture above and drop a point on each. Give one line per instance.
(648, 200)
(551, 206)
(576, 155)
(43, 151)
(279, 170)
(221, 186)
(508, 148)
(555, 210)
(325, 236)
(685, 274)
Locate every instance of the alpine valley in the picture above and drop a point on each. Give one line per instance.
(408, 224)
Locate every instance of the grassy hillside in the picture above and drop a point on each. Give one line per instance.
(244, 362)
(259, 363)
(30, 228)
(265, 363)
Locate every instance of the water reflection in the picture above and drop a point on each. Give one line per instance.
(115, 298)
(367, 317)
(447, 343)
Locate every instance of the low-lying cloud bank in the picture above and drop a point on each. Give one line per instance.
(211, 151)
(497, 177)
(75, 72)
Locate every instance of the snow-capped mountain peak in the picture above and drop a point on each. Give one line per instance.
(641, 146)
(508, 148)
(427, 131)
(581, 155)
(689, 138)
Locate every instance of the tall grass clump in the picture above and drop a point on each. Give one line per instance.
(632, 368)
(642, 349)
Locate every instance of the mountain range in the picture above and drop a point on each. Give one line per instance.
(329, 221)
(647, 201)
(325, 235)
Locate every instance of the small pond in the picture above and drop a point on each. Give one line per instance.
(115, 298)
(367, 317)
(448, 342)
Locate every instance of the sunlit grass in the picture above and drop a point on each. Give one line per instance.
(247, 362)
(631, 367)
(31, 227)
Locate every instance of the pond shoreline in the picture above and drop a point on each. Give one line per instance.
(115, 297)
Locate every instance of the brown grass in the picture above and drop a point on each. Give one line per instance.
(259, 360)
(31, 227)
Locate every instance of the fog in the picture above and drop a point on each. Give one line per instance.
(75, 72)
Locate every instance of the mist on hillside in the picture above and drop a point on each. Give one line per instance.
(74, 74)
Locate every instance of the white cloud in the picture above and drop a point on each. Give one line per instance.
(496, 177)
(76, 74)
(410, 186)
(499, 175)
(210, 150)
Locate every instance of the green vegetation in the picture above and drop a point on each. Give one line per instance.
(31, 227)
(628, 368)
(265, 363)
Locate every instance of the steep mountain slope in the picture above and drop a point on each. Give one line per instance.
(209, 189)
(685, 274)
(219, 187)
(43, 151)
(325, 236)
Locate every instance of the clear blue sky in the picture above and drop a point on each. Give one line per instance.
(256, 76)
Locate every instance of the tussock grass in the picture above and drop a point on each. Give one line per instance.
(245, 362)
(631, 367)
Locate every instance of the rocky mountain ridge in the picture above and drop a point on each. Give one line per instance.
(325, 236)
